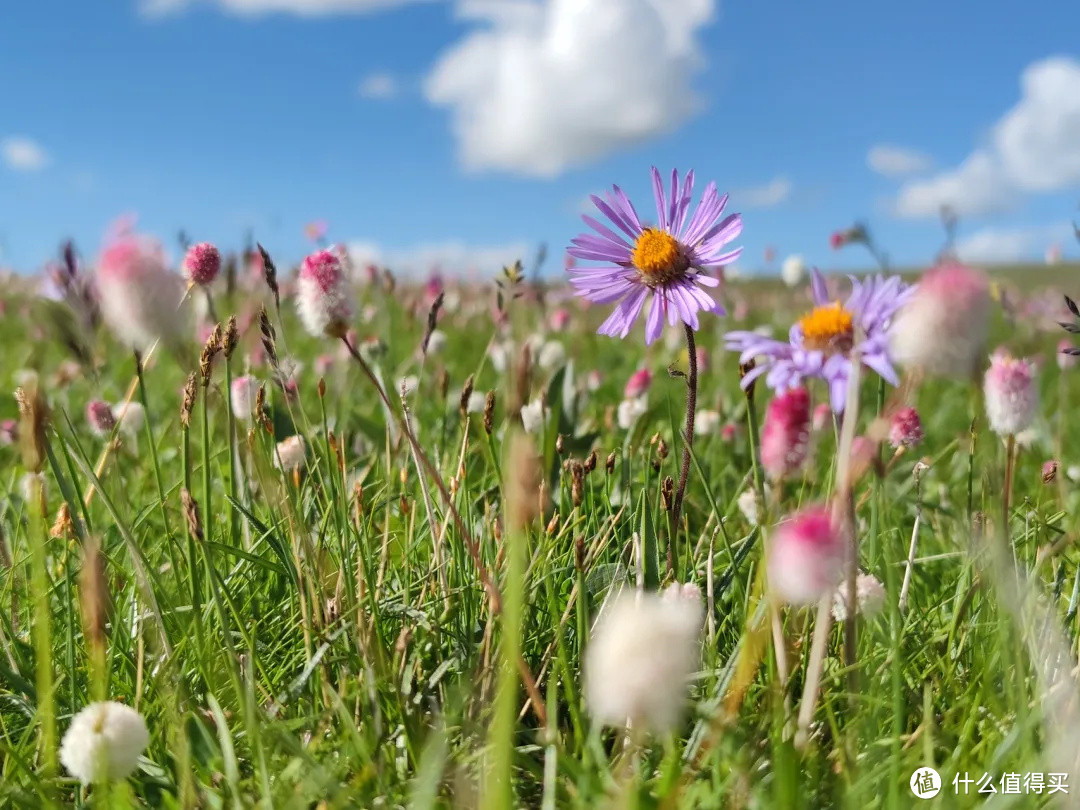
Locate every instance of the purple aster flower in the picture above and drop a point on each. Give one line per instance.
(671, 261)
(824, 342)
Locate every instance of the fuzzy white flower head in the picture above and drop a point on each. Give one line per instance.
(499, 353)
(942, 329)
(869, 597)
(407, 385)
(552, 355)
(532, 416)
(630, 410)
(643, 651)
(1012, 396)
(140, 299)
(104, 739)
(130, 416)
(243, 392)
(688, 592)
(793, 270)
(706, 422)
(324, 299)
(476, 403)
(749, 506)
(290, 454)
(436, 342)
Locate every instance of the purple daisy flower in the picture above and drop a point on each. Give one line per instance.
(671, 261)
(824, 342)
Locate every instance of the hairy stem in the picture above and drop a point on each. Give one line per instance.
(688, 438)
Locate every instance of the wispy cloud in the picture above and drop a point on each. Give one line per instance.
(23, 154)
(896, 161)
(768, 195)
(378, 86)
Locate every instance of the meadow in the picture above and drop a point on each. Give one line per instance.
(396, 609)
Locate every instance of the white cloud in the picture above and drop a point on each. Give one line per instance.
(23, 154)
(769, 195)
(896, 161)
(543, 85)
(1034, 148)
(998, 245)
(451, 257)
(303, 8)
(378, 86)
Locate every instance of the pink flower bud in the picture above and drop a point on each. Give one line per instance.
(9, 432)
(202, 263)
(806, 557)
(638, 384)
(323, 298)
(1011, 395)
(100, 417)
(942, 329)
(906, 428)
(785, 434)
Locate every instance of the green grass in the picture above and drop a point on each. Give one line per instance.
(329, 637)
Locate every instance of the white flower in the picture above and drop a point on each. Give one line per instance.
(793, 270)
(640, 658)
(630, 410)
(476, 403)
(104, 739)
(140, 299)
(685, 591)
(552, 355)
(290, 454)
(500, 356)
(532, 416)
(706, 422)
(244, 391)
(749, 506)
(130, 416)
(436, 341)
(869, 597)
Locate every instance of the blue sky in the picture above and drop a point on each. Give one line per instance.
(471, 130)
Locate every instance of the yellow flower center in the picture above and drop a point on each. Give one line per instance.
(828, 328)
(659, 257)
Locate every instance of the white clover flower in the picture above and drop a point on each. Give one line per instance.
(130, 416)
(869, 597)
(290, 455)
(436, 342)
(706, 422)
(244, 391)
(630, 410)
(750, 506)
(476, 403)
(793, 270)
(642, 653)
(552, 355)
(104, 739)
(532, 416)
